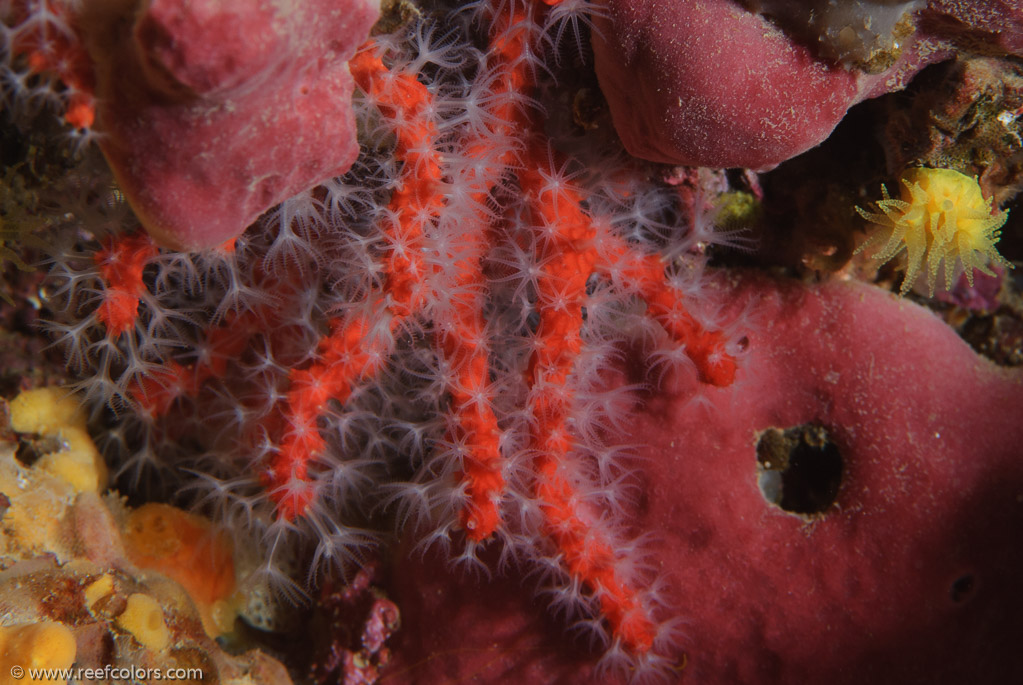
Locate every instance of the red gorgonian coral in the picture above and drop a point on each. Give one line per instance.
(432, 335)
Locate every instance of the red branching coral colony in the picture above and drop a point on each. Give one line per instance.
(433, 334)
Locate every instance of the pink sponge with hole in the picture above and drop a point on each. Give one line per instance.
(910, 575)
(212, 111)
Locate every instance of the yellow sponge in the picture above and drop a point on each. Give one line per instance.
(46, 411)
(31, 646)
(98, 589)
(57, 413)
(143, 618)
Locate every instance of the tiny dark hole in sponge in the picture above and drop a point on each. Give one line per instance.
(962, 588)
(800, 469)
(30, 449)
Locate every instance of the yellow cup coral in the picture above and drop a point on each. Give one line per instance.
(941, 217)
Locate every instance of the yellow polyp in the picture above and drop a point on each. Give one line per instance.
(43, 645)
(56, 413)
(143, 618)
(98, 589)
(940, 218)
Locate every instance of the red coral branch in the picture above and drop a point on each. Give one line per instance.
(431, 274)
(417, 206)
(569, 257)
(120, 262)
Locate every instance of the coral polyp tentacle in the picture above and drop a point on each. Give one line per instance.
(942, 218)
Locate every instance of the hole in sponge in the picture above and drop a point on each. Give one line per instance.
(962, 588)
(32, 447)
(799, 469)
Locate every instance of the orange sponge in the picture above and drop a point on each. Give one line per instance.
(187, 549)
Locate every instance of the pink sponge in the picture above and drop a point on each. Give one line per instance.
(981, 25)
(212, 111)
(910, 575)
(710, 83)
(706, 83)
